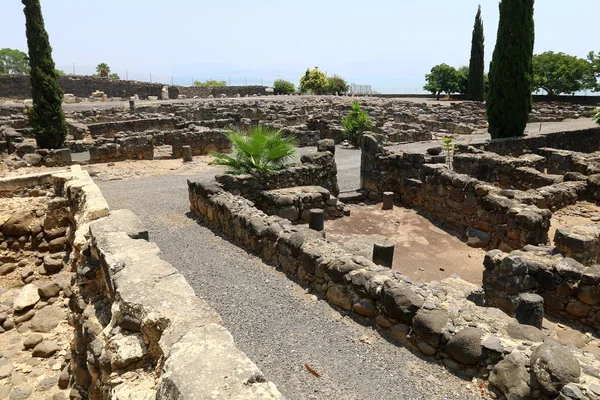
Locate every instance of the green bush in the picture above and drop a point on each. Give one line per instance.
(262, 149)
(210, 82)
(596, 116)
(313, 81)
(355, 124)
(281, 86)
(336, 84)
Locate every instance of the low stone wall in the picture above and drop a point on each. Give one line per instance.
(19, 87)
(458, 200)
(315, 169)
(140, 331)
(570, 289)
(585, 141)
(216, 91)
(581, 242)
(434, 318)
(125, 148)
(295, 203)
(109, 129)
(560, 161)
(523, 173)
(201, 140)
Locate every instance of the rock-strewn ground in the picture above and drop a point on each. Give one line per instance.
(34, 332)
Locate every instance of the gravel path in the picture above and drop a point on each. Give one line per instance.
(273, 320)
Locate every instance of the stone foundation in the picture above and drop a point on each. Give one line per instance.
(460, 201)
(569, 288)
(436, 319)
(295, 203)
(125, 148)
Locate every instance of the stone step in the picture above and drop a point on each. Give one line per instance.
(352, 196)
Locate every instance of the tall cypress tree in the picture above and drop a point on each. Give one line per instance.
(475, 85)
(46, 117)
(511, 71)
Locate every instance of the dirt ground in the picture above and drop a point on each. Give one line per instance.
(423, 251)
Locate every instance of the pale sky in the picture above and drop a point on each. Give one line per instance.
(388, 44)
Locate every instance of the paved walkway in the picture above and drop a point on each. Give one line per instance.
(279, 325)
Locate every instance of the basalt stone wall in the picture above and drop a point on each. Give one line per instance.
(458, 200)
(124, 148)
(140, 331)
(201, 141)
(315, 169)
(296, 202)
(570, 289)
(216, 91)
(585, 141)
(523, 173)
(560, 161)
(136, 125)
(434, 318)
(19, 87)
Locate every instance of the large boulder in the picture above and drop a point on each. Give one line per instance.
(400, 301)
(18, 224)
(511, 378)
(554, 367)
(465, 346)
(429, 325)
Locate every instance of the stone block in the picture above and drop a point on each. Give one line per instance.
(205, 363)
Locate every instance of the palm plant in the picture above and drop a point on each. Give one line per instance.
(103, 70)
(355, 124)
(261, 149)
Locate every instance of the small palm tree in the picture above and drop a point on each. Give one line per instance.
(103, 70)
(596, 115)
(355, 124)
(261, 149)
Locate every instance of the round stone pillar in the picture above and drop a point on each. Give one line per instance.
(317, 219)
(383, 253)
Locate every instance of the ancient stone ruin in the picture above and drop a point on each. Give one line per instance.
(90, 309)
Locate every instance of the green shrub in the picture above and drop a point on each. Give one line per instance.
(210, 82)
(336, 84)
(281, 86)
(596, 116)
(313, 81)
(355, 124)
(262, 149)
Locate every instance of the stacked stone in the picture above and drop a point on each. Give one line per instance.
(296, 202)
(125, 148)
(41, 230)
(34, 292)
(201, 140)
(434, 318)
(568, 287)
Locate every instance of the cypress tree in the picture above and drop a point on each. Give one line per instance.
(46, 117)
(511, 71)
(475, 85)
